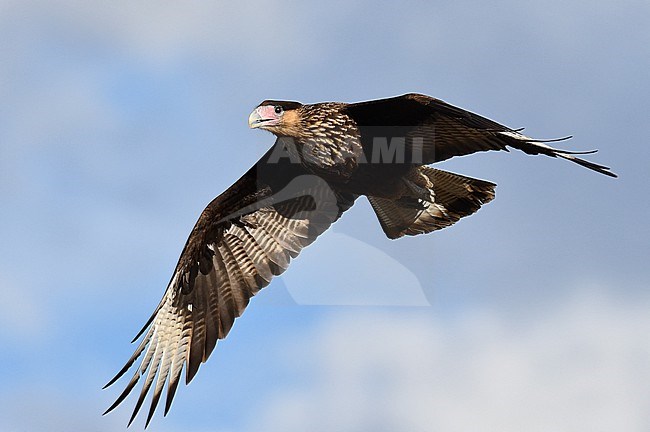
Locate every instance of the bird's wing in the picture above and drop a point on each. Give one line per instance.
(435, 130)
(242, 239)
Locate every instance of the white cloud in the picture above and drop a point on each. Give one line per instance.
(584, 365)
(167, 32)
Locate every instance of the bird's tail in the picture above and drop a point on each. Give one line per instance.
(454, 196)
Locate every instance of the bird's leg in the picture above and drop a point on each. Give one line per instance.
(420, 185)
(412, 202)
(420, 192)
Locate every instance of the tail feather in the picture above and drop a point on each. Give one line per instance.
(456, 196)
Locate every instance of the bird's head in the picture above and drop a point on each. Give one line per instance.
(281, 118)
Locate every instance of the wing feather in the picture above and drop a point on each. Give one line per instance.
(257, 256)
(274, 252)
(236, 266)
(279, 228)
(151, 375)
(178, 357)
(227, 308)
(242, 239)
(197, 341)
(444, 131)
(245, 262)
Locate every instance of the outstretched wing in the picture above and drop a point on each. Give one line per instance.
(435, 131)
(242, 239)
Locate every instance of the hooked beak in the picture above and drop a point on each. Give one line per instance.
(255, 120)
(263, 116)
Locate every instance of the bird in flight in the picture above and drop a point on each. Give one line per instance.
(325, 156)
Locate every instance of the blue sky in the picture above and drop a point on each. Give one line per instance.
(120, 121)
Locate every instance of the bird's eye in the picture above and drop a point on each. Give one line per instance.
(278, 109)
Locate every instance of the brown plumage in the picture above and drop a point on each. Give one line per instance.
(325, 156)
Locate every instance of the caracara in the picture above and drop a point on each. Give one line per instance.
(325, 156)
